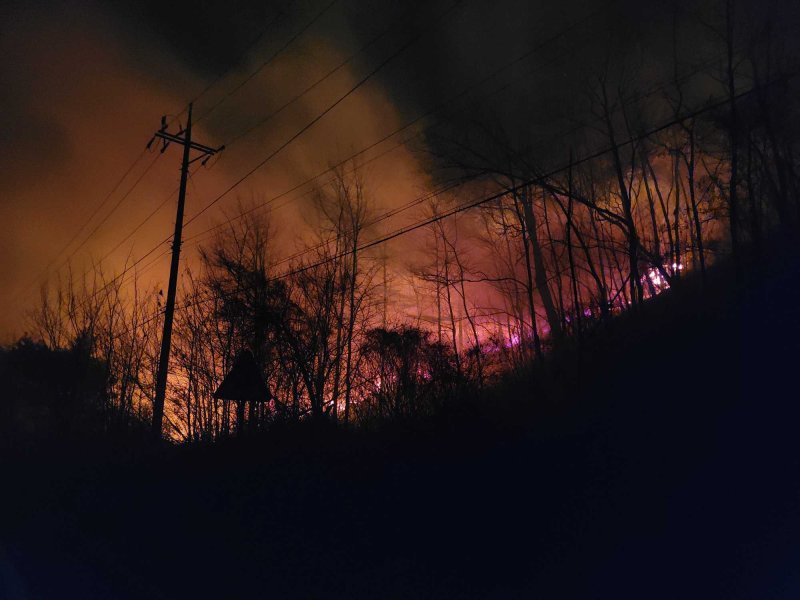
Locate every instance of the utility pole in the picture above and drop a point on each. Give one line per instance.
(184, 138)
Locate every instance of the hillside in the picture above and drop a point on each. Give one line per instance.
(663, 466)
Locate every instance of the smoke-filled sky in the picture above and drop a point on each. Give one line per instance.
(83, 86)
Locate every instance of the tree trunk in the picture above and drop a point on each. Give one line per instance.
(540, 273)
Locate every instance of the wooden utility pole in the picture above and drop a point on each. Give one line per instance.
(184, 138)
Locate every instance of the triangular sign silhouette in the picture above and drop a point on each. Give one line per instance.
(244, 381)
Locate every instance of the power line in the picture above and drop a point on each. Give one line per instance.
(119, 202)
(436, 108)
(256, 39)
(123, 275)
(95, 211)
(142, 223)
(86, 222)
(214, 107)
(269, 60)
(418, 201)
(127, 172)
(369, 75)
(281, 14)
(297, 187)
(321, 115)
(531, 181)
(375, 39)
(378, 142)
(210, 85)
(383, 217)
(409, 124)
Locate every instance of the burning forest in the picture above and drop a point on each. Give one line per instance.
(393, 220)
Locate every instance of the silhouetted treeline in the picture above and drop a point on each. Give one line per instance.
(57, 395)
(657, 183)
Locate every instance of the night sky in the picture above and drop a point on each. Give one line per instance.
(84, 86)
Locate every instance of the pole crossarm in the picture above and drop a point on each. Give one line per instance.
(183, 138)
(180, 139)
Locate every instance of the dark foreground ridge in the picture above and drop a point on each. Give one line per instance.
(665, 466)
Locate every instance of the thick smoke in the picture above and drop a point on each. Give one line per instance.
(84, 85)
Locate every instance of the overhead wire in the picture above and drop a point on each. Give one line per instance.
(395, 23)
(227, 95)
(407, 125)
(85, 223)
(318, 117)
(503, 193)
(268, 61)
(383, 63)
(344, 96)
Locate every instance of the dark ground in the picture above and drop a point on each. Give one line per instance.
(670, 468)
